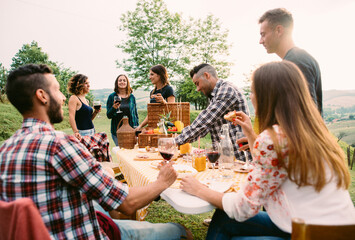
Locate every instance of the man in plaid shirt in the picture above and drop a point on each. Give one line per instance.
(224, 97)
(61, 176)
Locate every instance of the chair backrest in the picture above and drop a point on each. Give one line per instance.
(303, 231)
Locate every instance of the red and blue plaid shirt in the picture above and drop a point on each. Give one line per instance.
(61, 176)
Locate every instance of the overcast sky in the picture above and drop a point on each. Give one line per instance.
(82, 34)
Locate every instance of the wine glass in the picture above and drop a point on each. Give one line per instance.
(97, 106)
(167, 148)
(246, 166)
(213, 152)
(118, 99)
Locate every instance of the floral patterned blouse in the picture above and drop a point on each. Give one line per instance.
(268, 185)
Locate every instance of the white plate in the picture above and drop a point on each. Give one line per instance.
(142, 150)
(184, 170)
(218, 186)
(240, 168)
(155, 164)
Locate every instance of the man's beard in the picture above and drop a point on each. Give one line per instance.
(54, 111)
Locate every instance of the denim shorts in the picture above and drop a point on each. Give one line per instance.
(87, 132)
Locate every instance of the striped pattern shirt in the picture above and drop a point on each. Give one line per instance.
(62, 178)
(225, 97)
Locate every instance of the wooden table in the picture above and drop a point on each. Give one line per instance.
(141, 173)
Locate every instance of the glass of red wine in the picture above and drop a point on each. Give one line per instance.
(97, 106)
(213, 152)
(167, 148)
(118, 99)
(241, 144)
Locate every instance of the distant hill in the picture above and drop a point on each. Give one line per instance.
(142, 96)
(331, 98)
(338, 98)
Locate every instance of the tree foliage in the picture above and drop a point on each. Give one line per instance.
(156, 36)
(3, 76)
(32, 53)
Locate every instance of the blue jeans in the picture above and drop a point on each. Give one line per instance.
(87, 132)
(114, 138)
(258, 227)
(131, 229)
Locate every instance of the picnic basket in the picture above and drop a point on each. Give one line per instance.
(179, 112)
(151, 140)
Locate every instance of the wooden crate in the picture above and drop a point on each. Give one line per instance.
(150, 140)
(179, 112)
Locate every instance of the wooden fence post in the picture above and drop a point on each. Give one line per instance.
(348, 154)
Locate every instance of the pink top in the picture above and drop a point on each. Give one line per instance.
(268, 185)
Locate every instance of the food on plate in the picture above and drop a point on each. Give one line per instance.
(157, 164)
(150, 149)
(143, 156)
(184, 170)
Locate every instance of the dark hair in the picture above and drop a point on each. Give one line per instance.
(161, 71)
(278, 16)
(23, 82)
(206, 68)
(128, 88)
(76, 84)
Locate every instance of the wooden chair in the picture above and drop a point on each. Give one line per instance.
(303, 231)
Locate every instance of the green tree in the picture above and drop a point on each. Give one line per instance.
(32, 53)
(186, 92)
(3, 76)
(29, 53)
(208, 44)
(154, 36)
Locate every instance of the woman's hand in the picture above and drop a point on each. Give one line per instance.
(159, 98)
(244, 121)
(96, 111)
(116, 104)
(77, 135)
(191, 185)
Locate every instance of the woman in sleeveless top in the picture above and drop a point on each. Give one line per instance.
(162, 92)
(128, 105)
(80, 112)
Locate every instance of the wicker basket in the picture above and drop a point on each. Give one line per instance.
(150, 140)
(179, 112)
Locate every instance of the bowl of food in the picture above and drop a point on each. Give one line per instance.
(184, 170)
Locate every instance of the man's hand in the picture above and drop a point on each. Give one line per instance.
(167, 174)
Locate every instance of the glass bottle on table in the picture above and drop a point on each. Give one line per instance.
(226, 160)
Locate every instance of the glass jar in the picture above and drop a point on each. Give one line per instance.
(199, 160)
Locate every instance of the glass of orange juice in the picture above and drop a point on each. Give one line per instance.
(199, 160)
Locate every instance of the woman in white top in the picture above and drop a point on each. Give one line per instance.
(299, 170)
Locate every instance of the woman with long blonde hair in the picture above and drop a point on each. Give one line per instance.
(299, 170)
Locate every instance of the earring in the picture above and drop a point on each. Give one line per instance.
(45, 103)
